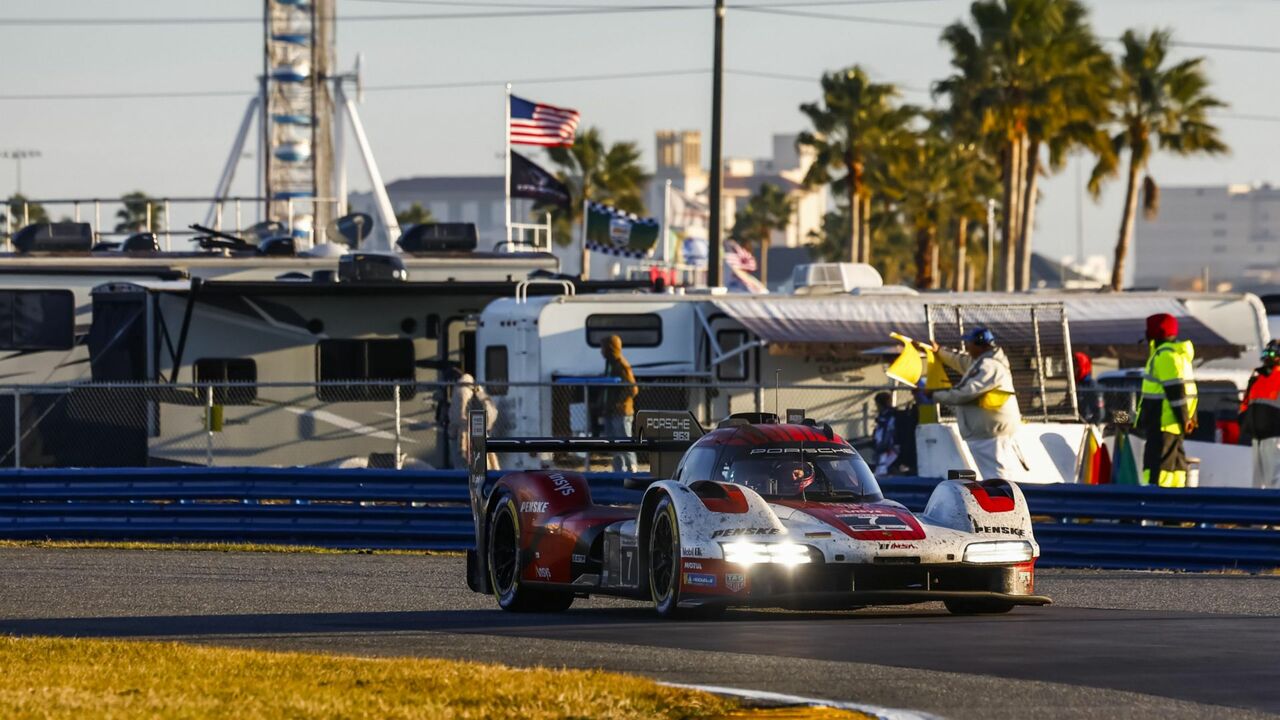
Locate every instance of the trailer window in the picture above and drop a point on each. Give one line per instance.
(738, 367)
(37, 320)
(371, 361)
(230, 372)
(635, 330)
(495, 369)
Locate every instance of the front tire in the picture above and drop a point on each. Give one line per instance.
(505, 566)
(977, 607)
(664, 566)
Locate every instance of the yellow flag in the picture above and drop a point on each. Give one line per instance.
(907, 368)
(936, 379)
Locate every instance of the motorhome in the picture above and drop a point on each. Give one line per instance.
(273, 372)
(719, 354)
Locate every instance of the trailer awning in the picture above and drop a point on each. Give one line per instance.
(1104, 324)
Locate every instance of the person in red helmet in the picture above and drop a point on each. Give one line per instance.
(1167, 413)
(1089, 398)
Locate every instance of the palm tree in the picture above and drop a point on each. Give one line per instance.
(593, 171)
(35, 212)
(919, 181)
(133, 215)
(415, 214)
(1028, 74)
(851, 121)
(768, 210)
(1156, 105)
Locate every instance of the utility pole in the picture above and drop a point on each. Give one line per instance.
(17, 156)
(715, 272)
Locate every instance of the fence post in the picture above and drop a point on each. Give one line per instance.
(1071, 363)
(396, 393)
(1035, 327)
(208, 425)
(17, 429)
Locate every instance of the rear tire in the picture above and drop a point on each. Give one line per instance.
(505, 566)
(977, 607)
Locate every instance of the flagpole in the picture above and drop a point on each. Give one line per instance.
(506, 185)
(666, 220)
(586, 259)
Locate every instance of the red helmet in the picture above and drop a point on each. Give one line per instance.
(1162, 326)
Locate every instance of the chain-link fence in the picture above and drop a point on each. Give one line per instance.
(384, 424)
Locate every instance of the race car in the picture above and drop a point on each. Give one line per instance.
(755, 513)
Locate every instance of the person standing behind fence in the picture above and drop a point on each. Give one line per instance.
(884, 437)
(1089, 398)
(985, 405)
(468, 396)
(1260, 418)
(1167, 413)
(619, 400)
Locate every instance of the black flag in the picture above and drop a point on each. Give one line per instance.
(530, 181)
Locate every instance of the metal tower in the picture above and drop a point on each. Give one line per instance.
(296, 144)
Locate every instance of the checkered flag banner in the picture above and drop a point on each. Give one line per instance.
(617, 232)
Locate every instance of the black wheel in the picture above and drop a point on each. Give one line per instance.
(504, 566)
(664, 559)
(977, 607)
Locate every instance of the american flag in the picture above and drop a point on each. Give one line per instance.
(537, 124)
(738, 257)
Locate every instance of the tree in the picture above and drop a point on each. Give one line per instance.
(919, 180)
(1029, 74)
(1156, 105)
(415, 214)
(852, 121)
(769, 210)
(133, 213)
(611, 175)
(35, 212)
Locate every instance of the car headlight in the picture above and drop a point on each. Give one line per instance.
(752, 553)
(1002, 551)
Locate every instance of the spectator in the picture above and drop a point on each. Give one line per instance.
(1089, 398)
(884, 438)
(468, 396)
(619, 405)
(1260, 418)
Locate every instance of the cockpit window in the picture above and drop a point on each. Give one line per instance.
(825, 472)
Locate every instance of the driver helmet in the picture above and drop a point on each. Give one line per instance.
(793, 476)
(1271, 353)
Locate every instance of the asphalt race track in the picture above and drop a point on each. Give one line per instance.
(1114, 644)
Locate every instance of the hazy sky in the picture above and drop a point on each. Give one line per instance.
(176, 146)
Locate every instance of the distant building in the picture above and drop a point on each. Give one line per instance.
(1228, 235)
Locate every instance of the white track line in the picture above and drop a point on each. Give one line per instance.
(883, 713)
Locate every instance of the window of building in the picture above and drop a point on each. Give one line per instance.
(635, 330)
(230, 372)
(364, 360)
(470, 211)
(738, 367)
(37, 320)
(495, 369)
(497, 214)
(1220, 216)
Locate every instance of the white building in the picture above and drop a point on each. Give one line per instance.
(1228, 234)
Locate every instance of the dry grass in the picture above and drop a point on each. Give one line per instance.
(210, 547)
(69, 678)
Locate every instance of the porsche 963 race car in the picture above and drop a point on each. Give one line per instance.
(754, 513)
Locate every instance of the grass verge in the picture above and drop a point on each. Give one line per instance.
(210, 547)
(56, 678)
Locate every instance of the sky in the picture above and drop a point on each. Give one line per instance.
(176, 146)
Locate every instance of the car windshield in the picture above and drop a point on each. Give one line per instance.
(826, 472)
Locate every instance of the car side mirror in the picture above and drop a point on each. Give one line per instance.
(636, 483)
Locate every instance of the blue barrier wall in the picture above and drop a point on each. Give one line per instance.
(1076, 526)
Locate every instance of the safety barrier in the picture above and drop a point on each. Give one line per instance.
(1076, 525)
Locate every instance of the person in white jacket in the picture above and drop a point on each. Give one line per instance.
(985, 405)
(468, 396)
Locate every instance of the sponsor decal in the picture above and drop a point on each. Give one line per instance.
(534, 506)
(735, 582)
(543, 572)
(700, 579)
(805, 450)
(887, 523)
(898, 546)
(562, 484)
(693, 566)
(978, 527)
(735, 532)
(690, 552)
(578, 558)
(678, 427)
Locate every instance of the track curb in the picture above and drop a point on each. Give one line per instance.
(772, 698)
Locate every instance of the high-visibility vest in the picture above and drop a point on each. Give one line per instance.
(1170, 365)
